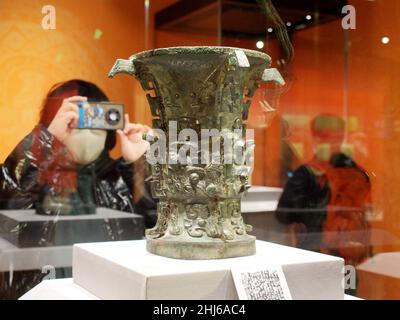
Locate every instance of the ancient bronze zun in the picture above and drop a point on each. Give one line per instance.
(199, 214)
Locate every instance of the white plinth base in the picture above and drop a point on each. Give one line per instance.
(125, 270)
(62, 289)
(66, 289)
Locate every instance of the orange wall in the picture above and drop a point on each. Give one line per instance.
(371, 112)
(374, 97)
(33, 59)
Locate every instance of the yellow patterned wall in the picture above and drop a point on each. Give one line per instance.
(89, 36)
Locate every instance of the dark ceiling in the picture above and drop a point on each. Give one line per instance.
(244, 18)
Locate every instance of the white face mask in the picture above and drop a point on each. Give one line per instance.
(85, 145)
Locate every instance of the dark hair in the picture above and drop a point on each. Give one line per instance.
(82, 88)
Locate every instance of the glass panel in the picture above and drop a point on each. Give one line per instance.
(339, 99)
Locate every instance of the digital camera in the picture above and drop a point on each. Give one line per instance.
(100, 115)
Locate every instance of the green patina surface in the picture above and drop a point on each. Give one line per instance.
(199, 215)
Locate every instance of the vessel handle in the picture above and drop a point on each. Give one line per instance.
(122, 66)
(272, 74)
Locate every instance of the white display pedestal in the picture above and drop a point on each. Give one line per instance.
(379, 277)
(60, 289)
(260, 199)
(66, 289)
(125, 270)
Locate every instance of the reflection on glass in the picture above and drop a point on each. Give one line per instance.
(63, 172)
(326, 200)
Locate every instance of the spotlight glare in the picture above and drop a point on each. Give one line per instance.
(308, 17)
(289, 24)
(260, 44)
(270, 30)
(385, 40)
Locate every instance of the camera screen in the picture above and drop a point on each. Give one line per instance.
(101, 115)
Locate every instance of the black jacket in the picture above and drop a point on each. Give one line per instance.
(39, 166)
(304, 200)
(39, 162)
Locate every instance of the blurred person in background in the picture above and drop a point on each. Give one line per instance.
(325, 202)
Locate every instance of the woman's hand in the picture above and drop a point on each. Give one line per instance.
(132, 144)
(60, 126)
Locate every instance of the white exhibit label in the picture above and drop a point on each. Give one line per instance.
(262, 283)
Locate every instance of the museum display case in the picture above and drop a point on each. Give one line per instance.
(307, 91)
